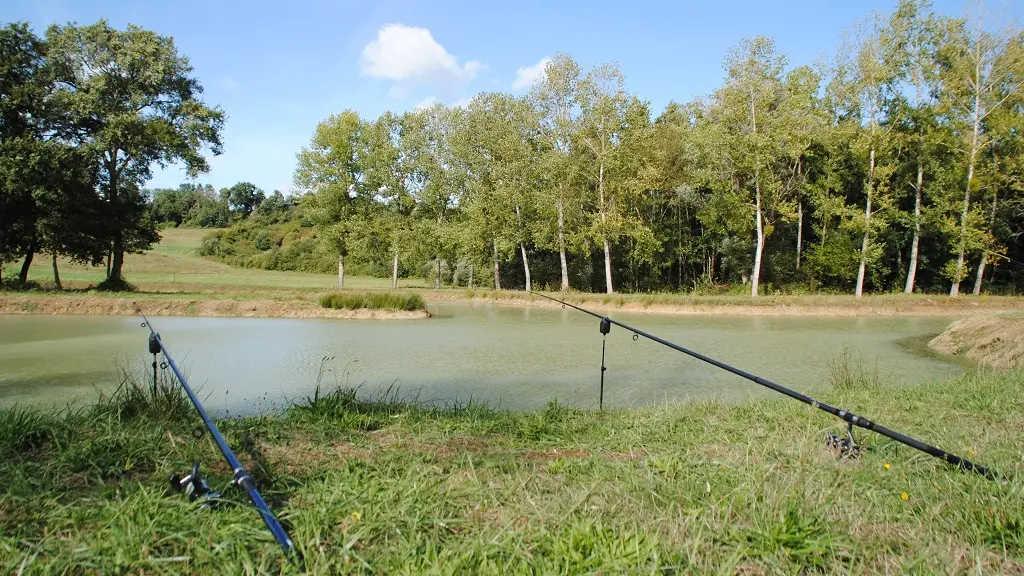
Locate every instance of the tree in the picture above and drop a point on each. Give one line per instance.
(46, 186)
(863, 86)
(556, 99)
(328, 171)
(979, 73)
(22, 96)
(748, 131)
(130, 99)
(245, 197)
(500, 148)
(913, 44)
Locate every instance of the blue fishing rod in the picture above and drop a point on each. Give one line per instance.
(193, 484)
(845, 445)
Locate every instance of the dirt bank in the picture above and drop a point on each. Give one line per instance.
(810, 305)
(111, 306)
(994, 341)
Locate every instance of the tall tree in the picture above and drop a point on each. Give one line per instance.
(980, 72)
(747, 113)
(132, 101)
(614, 137)
(328, 171)
(913, 45)
(864, 78)
(556, 98)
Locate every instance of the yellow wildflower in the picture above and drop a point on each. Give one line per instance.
(357, 515)
(904, 496)
(887, 466)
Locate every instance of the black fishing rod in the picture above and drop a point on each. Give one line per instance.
(193, 484)
(846, 445)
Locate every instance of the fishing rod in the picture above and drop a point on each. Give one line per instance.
(193, 484)
(845, 445)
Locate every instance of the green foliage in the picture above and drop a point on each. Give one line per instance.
(373, 301)
(133, 102)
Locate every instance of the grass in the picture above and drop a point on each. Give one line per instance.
(172, 266)
(380, 486)
(373, 301)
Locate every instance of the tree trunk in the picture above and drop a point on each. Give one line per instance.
(799, 230)
(981, 265)
(437, 276)
(23, 275)
(604, 233)
(561, 247)
(497, 269)
(608, 267)
(800, 214)
(862, 269)
(915, 243)
(117, 251)
(56, 273)
(470, 276)
(954, 289)
(341, 270)
(526, 267)
(109, 254)
(755, 276)
(394, 272)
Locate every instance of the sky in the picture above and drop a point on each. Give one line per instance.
(279, 68)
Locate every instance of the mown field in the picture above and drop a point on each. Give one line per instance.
(172, 266)
(379, 487)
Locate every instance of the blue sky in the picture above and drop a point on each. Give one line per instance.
(278, 68)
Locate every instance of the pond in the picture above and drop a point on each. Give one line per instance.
(514, 358)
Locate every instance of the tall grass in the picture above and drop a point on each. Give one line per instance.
(849, 371)
(373, 301)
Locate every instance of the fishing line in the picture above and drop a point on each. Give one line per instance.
(193, 484)
(845, 445)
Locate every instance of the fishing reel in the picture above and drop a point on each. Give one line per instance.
(195, 487)
(846, 447)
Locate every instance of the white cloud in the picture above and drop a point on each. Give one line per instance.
(527, 76)
(425, 103)
(410, 56)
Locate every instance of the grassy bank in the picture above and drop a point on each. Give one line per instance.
(382, 487)
(172, 273)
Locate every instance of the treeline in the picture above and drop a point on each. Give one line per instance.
(85, 114)
(898, 166)
(200, 206)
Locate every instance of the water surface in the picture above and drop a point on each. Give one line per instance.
(517, 358)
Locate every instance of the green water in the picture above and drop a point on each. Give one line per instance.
(516, 358)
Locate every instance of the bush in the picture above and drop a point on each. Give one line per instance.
(373, 301)
(261, 241)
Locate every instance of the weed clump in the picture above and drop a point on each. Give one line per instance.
(373, 301)
(848, 371)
